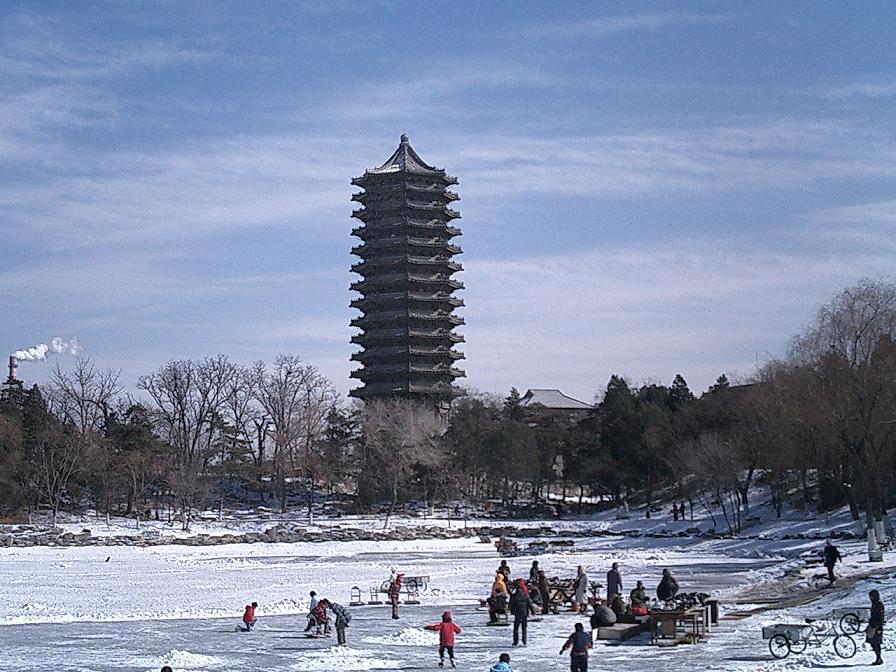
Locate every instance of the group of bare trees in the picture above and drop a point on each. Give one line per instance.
(817, 427)
(201, 425)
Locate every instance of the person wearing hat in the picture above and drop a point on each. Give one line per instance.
(446, 628)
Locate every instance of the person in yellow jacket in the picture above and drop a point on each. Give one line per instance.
(497, 601)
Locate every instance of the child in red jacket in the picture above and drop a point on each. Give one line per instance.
(446, 629)
(249, 616)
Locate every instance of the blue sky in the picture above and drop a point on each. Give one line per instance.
(646, 188)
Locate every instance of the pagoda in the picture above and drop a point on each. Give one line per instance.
(407, 292)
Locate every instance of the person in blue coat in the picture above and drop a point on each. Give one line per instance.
(503, 664)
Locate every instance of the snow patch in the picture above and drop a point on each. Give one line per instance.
(343, 658)
(185, 660)
(407, 637)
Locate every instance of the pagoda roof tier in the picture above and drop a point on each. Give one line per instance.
(386, 335)
(404, 160)
(375, 231)
(372, 195)
(392, 352)
(383, 370)
(389, 298)
(371, 285)
(392, 316)
(381, 209)
(384, 180)
(377, 246)
(409, 314)
(443, 390)
(378, 264)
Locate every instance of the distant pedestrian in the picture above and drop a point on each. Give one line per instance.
(342, 620)
(580, 600)
(503, 664)
(675, 512)
(874, 633)
(668, 588)
(505, 570)
(446, 629)
(614, 583)
(533, 572)
(521, 606)
(545, 591)
(249, 616)
(831, 557)
(395, 592)
(579, 642)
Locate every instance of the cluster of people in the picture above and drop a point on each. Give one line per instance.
(638, 598)
(319, 620)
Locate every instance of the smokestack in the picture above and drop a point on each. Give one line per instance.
(13, 364)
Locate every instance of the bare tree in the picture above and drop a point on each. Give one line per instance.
(188, 397)
(296, 400)
(399, 436)
(81, 398)
(83, 395)
(849, 359)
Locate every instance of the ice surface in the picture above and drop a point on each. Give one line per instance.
(67, 609)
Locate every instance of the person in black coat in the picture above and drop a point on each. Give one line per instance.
(831, 558)
(874, 633)
(668, 588)
(521, 606)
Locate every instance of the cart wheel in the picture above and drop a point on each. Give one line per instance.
(797, 646)
(850, 624)
(779, 646)
(844, 646)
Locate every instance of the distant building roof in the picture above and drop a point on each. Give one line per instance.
(553, 399)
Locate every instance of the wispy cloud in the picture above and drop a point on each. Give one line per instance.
(883, 89)
(768, 153)
(865, 225)
(608, 25)
(53, 48)
(698, 308)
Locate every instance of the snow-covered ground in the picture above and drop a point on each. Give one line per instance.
(135, 609)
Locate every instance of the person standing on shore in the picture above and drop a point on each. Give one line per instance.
(874, 633)
(580, 601)
(831, 557)
(614, 583)
(394, 593)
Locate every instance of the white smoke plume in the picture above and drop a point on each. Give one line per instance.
(40, 352)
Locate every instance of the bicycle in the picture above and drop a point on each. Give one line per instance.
(785, 639)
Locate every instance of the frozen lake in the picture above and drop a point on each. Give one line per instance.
(131, 609)
(375, 640)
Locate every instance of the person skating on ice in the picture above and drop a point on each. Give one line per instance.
(447, 629)
(579, 643)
